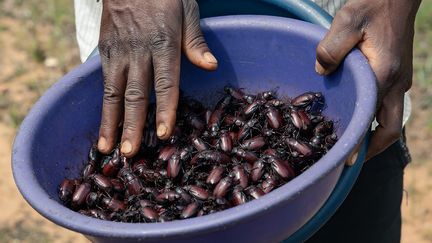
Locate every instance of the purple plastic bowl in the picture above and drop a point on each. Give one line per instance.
(254, 52)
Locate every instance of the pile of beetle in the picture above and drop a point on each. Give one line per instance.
(245, 147)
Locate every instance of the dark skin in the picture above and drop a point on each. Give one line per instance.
(140, 45)
(141, 42)
(383, 30)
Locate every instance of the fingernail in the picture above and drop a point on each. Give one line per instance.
(126, 147)
(102, 144)
(319, 69)
(162, 130)
(353, 159)
(210, 58)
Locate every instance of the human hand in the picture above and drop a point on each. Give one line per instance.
(141, 41)
(383, 30)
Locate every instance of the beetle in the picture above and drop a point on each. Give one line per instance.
(307, 98)
(113, 204)
(131, 181)
(255, 192)
(102, 182)
(114, 164)
(246, 129)
(215, 117)
(145, 203)
(323, 128)
(190, 210)
(238, 196)
(92, 199)
(199, 144)
(212, 156)
(66, 190)
(249, 156)
(225, 142)
(167, 196)
(80, 194)
(174, 165)
(235, 93)
(166, 152)
(215, 175)
(254, 143)
(149, 214)
(89, 169)
(267, 95)
(222, 187)
(257, 169)
(186, 153)
(283, 169)
(268, 185)
(240, 176)
(300, 147)
(185, 198)
(253, 107)
(99, 214)
(197, 192)
(274, 117)
(94, 154)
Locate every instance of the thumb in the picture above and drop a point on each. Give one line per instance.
(193, 43)
(343, 35)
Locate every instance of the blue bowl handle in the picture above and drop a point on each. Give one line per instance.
(307, 11)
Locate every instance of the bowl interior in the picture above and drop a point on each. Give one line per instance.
(252, 54)
(255, 58)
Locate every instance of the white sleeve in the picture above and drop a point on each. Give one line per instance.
(87, 20)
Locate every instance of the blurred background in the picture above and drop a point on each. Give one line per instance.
(38, 46)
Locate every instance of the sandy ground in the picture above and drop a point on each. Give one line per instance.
(417, 206)
(17, 219)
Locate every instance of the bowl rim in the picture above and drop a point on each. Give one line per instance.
(36, 196)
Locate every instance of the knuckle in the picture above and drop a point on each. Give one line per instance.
(163, 84)
(112, 94)
(102, 45)
(345, 16)
(109, 48)
(351, 18)
(135, 94)
(104, 49)
(161, 40)
(136, 44)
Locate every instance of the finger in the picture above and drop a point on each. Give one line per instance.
(136, 104)
(193, 42)
(166, 62)
(344, 34)
(114, 86)
(389, 117)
